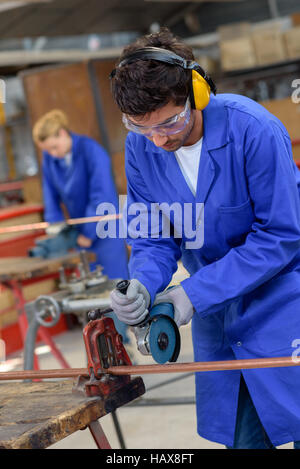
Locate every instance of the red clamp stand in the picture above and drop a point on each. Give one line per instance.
(104, 350)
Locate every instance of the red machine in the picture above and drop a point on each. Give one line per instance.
(104, 349)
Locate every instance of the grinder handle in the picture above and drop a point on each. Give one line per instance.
(166, 309)
(122, 286)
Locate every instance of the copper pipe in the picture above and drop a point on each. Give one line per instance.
(150, 369)
(43, 374)
(204, 366)
(71, 221)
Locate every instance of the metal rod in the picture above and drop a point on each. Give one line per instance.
(118, 430)
(81, 306)
(150, 369)
(43, 374)
(273, 7)
(71, 221)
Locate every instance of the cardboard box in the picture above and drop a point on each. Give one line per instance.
(32, 190)
(295, 19)
(292, 42)
(234, 30)
(237, 54)
(269, 45)
(207, 63)
(289, 114)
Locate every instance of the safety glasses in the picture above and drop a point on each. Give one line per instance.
(173, 125)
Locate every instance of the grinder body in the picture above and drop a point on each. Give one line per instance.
(158, 334)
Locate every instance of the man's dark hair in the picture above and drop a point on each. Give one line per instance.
(147, 85)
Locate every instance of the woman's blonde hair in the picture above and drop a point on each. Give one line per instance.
(49, 125)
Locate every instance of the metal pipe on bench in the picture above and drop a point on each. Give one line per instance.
(119, 370)
(80, 306)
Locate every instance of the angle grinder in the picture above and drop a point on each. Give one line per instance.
(158, 334)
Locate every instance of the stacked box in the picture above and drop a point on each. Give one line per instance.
(237, 54)
(269, 45)
(236, 47)
(292, 42)
(288, 112)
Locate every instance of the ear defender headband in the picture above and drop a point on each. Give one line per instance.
(201, 84)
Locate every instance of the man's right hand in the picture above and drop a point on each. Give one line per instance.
(131, 308)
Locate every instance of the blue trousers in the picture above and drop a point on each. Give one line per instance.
(249, 432)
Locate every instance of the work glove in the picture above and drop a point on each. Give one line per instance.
(183, 308)
(131, 308)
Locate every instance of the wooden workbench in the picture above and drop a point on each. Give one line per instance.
(27, 267)
(22, 280)
(37, 415)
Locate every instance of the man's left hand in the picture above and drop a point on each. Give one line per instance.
(84, 242)
(183, 308)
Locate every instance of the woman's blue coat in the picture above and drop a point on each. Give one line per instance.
(82, 186)
(245, 280)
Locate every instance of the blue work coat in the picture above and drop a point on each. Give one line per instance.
(245, 279)
(81, 187)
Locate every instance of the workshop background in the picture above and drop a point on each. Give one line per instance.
(58, 54)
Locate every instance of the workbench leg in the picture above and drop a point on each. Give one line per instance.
(17, 290)
(47, 339)
(42, 332)
(23, 325)
(99, 435)
(118, 430)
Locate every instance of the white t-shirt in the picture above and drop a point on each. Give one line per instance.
(68, 158)
(188, 159)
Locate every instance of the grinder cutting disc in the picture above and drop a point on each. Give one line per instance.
(164, 339)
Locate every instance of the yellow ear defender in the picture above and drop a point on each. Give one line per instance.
(201, 90)
(201, 84)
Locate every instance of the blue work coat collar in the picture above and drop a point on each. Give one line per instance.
(75, 141)
(215, 136)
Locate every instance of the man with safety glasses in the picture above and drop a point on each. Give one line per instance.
(188, 145)
(171, 126)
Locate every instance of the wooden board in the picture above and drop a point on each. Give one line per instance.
(64, 87)
(36, 415)
(32, 190)
(27, 267)
(289, 114)
(19, 215)
(113, 122)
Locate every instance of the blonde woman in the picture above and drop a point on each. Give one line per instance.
(76, 172)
